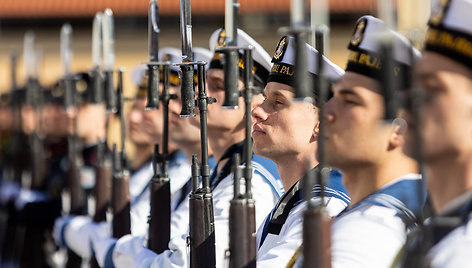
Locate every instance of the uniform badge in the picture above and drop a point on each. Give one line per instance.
(166, 57)
(280, 50)
(358, 33)
(81, 86)
(438, 9)
(221, 41)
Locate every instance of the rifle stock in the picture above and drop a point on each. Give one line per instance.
(238, 241)
(102, 188)
(159, 221)
(202, 227)
(120, 197)
(316, 238)
(243, 245)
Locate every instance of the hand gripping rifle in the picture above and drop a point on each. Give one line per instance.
(120, 182)
(159, 219)
(242, 213)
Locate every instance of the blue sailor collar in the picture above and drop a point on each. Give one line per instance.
(400, 194)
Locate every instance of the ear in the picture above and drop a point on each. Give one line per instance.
(399, 128)
(316, 132)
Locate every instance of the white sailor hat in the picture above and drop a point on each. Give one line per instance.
(283, 69)
(173, 55)
(365, 51)
(259, 55)
(450, 30)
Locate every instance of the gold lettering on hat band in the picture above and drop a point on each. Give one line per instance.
(282, 69)
(369, 61)
(450, 41)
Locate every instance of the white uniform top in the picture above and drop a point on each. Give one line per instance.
(266, 188)
(74, 232)
(371, 232)
(453, 235)
(455, 249)
(279, 244)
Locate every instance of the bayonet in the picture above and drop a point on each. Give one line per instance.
(186, 30)
(66, 51)
(153, 65)
(109, 59)
(97, 40)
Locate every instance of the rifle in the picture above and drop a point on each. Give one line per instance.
(76, 193)
(159, 218)
(316, 220)
(120, 182)
(103, 172)
(29, 236)
(160, 212)
(316, 247)
(18, 153)
(102, 188)
(242, 214)
(202, 230)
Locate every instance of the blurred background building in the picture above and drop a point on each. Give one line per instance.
(260, 18)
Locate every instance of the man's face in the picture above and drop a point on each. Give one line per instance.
(218, 118)
(282, 126)
(446, 111)
(55, 120)
(355, 134)
(140, 125)
(181, 131)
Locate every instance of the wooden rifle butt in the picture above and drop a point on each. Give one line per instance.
(159, 220)
(102, 190)
(251, 233)
(238, 231)
(316, 238)
(121, 205)
(202, 232)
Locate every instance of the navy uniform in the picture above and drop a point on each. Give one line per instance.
(179, 172)
(266, 184)
(371, 231)
(281, 232)
(73, 232)
(446, 240)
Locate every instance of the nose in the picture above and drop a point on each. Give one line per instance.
(329, 111)
(135, 115)
(175, 106)
(258, 113)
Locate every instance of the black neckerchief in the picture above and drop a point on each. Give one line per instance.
(435, 228)
(287, 202)
(283, 208)
(216, 177)
(453, 216)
